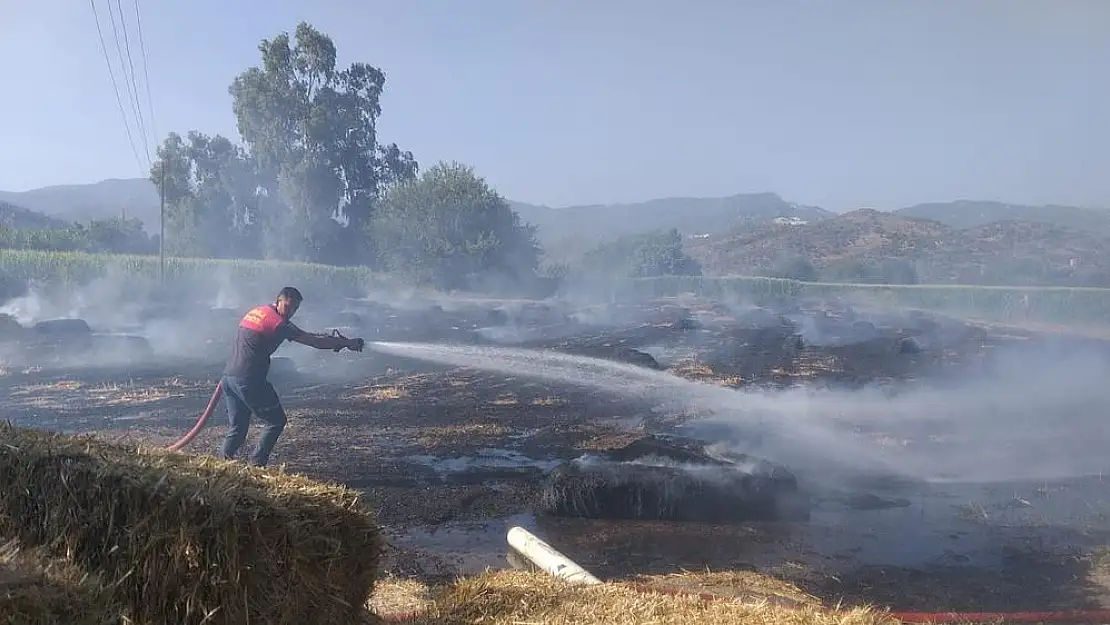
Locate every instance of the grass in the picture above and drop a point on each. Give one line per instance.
(516, 598)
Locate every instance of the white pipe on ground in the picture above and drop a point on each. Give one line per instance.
(547, 558)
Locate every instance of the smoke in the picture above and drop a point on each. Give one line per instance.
(134, 321)
(226, 295)
(1034, 414)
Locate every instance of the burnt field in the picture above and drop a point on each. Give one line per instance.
(969, 516)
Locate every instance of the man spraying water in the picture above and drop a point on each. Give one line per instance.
(246, 390)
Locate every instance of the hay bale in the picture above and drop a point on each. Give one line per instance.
(38, 590)
(600, 489)
(667, 479)
(620, 354)
(515, 598)
(121, 346)
(10, 328)
(909, 345)
(349, 319)
(674, 448)
(63, 327)
(185, 539)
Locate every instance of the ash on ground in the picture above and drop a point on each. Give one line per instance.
(452, 457)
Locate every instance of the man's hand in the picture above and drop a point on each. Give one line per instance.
(329, 340)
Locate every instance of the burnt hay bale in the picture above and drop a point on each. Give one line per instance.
(9, 327)
(674, 448)
(185, 540)
(63, 327)
(602, 489)
(122, 345)
(685, 324)
(909, 345)
(493, 317)
(672, 479)
(625, 355)
(349, 319)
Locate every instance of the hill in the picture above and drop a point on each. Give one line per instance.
(558, 227)
(562, 230)
(130, 197)
(864, 235)
(868, 245)
(964, 214)
(729, 229)
(17, 217)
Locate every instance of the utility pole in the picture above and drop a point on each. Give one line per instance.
(162, 227)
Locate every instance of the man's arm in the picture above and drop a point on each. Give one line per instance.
(322, 341)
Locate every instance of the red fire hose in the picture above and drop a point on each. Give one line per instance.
(1063, 616)
(216, 394)
(191, 434)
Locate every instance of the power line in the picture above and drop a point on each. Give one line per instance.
(129, 80)
(146, 73)
(134, 80)
(115, 85)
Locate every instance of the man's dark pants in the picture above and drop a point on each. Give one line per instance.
(243, 397)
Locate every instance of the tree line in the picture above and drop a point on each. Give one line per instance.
(113, 236)
(310, 180)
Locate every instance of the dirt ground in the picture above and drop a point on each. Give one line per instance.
(451, 458)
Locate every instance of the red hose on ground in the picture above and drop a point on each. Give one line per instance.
(191, 434)
(1063, 616)
(1068, 616)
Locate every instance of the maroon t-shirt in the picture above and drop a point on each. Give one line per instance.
(261, 332)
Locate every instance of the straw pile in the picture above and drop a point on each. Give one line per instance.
(511, 598)
(184, 539)
(36, 590)
(672, 479)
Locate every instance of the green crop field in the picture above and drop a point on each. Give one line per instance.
(1062, 305)
(80, 268)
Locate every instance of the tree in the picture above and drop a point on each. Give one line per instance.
(885, 271)
(117, 236)
(312, 131)
(663, 255)
(792, 267)
(644, 255)
(212, 197)
(450, 228)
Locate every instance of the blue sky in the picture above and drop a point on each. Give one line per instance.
(840, 103)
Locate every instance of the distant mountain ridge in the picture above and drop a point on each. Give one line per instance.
(586, 225)
(128, 197)
(1009, 251)
(572, 230)
(963, 214)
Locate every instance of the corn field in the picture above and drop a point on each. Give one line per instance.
(1039, 304)
(80, 268)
